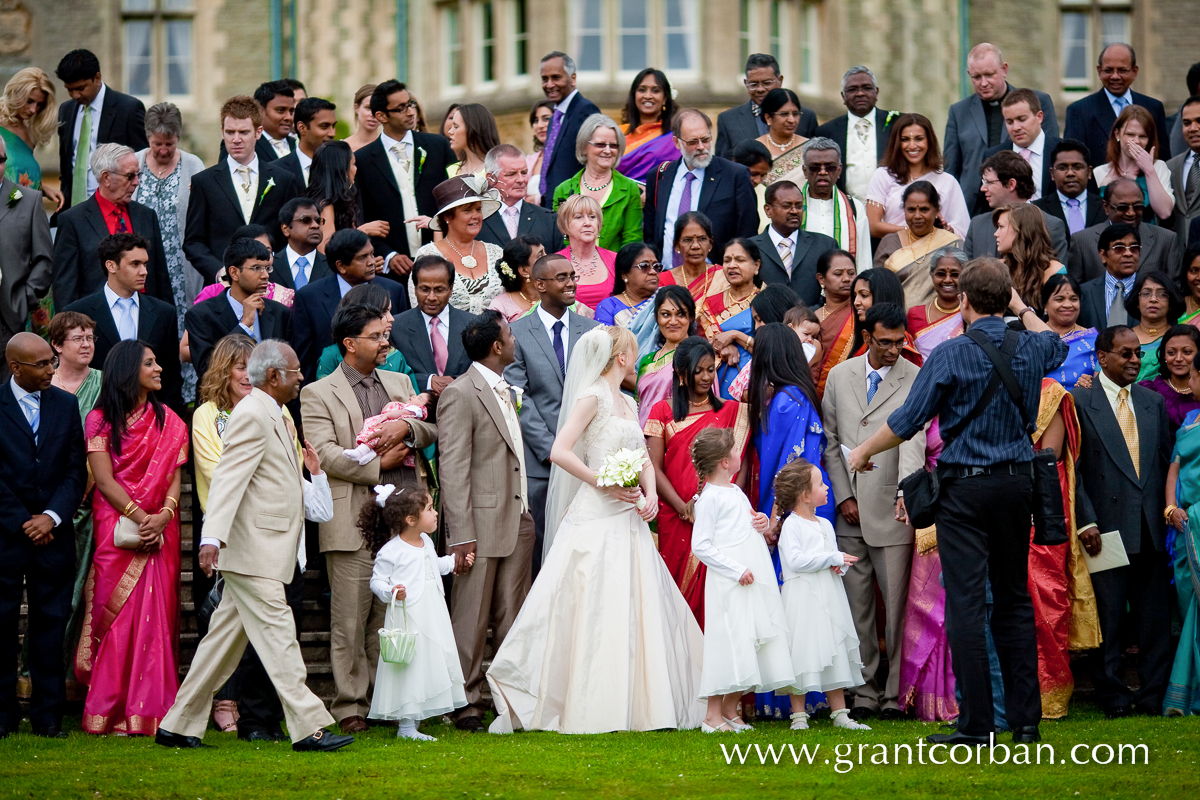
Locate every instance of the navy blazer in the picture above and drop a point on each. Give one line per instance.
(77, 269)
(1090, 120)
(281, 270)
(727, 198)
(534, 221)
(122, 120)
(563, 164)
(312, 314)
(157, 327)
(838, 127)
(1050, 203)
(411, 338)
(208, 322)
(736, 125)
(379, 194)
(47, 475)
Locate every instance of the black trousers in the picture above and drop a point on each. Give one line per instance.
(258, 703)
(983, 534)
(47, 573)
(1144, 586)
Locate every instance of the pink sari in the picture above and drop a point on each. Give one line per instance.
(127, 650)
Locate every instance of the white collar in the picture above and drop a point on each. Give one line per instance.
(1082, 198)
(97, 103)
(883, 371)
(112, 297)
(1111, 390)
(271, 140)
(388, 142)
(548, 320)
(491, 377)
(776, 238)
(20, 393)
(443, 318)
(305, 160)
(292, 255)
(851, 117)
(516, 205)
(1037, 147)
(234, 165)
(566, 101)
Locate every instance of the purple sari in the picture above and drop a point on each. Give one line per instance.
(642, 159)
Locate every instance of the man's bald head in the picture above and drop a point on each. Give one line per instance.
(1124, 201)
(27, 347)
(547, 266)
(31, 361)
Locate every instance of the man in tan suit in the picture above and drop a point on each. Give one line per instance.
(333, 410)
(859, 395)
(257, 505)
(488, 512)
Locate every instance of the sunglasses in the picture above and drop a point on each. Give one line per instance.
(649, 266)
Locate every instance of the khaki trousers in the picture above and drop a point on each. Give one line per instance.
(355, 617)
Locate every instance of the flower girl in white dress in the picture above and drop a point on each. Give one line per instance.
(746, 632)
(823, 640)
(395, 527)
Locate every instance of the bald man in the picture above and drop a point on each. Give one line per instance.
(43, 469)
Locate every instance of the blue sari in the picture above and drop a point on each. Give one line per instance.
(790, 428)
(1183, 547)
(1081, 358)
(743, 322)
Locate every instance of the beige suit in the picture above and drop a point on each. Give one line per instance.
(256, 511)
(883, 545)
(332, 421)
(478, 452)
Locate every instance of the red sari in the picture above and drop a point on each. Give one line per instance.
(127, 648)
(674, 533)
(713, 280)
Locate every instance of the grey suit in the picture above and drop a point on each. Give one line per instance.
(1185, 212)
(26, 258)
(534, 221)
(981, 236)
(966, 139)
(1160, 250)
(1114, 496)
(535, 372)
(883, 545)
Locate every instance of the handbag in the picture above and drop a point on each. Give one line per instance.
(125, 534)
(397, 646)
(212, 600)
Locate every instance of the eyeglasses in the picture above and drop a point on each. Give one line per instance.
(986, 182)
(129, 176)
(39, 365)
(703, 140)
(818, 169)
(374, 337)
(82, 339)
(889, 344)
(1126, 353)
(788, 206)
(754, 85)
(3, 159)
(287, 369)
(307, 219)
(409, 106)
(1071, 167)
(565, 277)
(688, 241)
(1120, 249)
(1125, 208)
(1153, 294)
(649, 266)
(1106, 71)
(262, 268)
(605, 145)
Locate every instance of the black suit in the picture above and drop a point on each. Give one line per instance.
(48, 474)
(726, 197)
(838, 127)
(736, 125)
(1047, 187)
(1050, 203)
(563, 165)
(312, 314)
(214, 212)
(1115, 497)
(803, 280)
(122, 120)
(77, 268)
(411, 337)
(262, 149)
(1090, 120)
(534, 221)
(379, 194)
(157, 327)
(291, 162)
(209, 321)
(281, 270)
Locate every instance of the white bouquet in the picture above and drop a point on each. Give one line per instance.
(623, 468)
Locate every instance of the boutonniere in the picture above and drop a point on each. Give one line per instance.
(13, 197)
(420, 158)
(891, 115)
(517, 394)
(270, 186)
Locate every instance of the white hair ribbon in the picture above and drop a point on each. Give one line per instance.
(383, 492)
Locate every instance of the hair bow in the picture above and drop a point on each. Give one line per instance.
(383, 492)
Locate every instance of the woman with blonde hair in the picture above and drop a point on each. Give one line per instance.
(27, 121)
(1023, 243)
(580, 218)
(366, 127)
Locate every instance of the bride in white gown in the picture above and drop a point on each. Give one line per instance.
(604, 641)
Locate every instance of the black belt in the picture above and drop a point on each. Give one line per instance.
(1024, 468)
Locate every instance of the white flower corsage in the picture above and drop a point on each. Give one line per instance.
(519, 394)
(270, 186)
(13, 197)
(420, 158)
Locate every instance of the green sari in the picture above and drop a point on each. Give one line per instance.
(85, 542)
(1183, 688)
(1149, 370)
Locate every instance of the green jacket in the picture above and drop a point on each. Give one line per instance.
(622, 210)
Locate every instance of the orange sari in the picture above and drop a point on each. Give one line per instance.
(837, 337)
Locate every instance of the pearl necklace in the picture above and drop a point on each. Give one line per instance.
(1184, 390)
(779, 146)
(468, 261)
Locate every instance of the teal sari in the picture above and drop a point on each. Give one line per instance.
(21, 168)
(1183, 689)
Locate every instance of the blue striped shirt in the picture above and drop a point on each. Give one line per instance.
(953, 379)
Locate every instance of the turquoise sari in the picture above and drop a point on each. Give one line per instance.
(21, 168)
(1183, 688)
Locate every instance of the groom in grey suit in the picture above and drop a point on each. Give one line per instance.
(545, 341)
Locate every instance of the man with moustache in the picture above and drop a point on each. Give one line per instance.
(1124, 202)
(1070, 201)
(506, 167)
(789, 254)
(828, 209)
(299, 263)
(737, 124)
(1102, 299)
(861, 133)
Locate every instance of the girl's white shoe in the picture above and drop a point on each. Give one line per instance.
(738, 724)
(408, 730)
(841, 719)
(799, 721)
(724, 727)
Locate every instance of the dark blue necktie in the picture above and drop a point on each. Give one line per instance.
(558, 348)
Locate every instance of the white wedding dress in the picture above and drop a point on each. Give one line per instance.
(604, 641)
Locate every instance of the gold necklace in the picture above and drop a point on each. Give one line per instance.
(912, 246)
(825, 312)
(1149, 330)
(947, 311)
(523, 297)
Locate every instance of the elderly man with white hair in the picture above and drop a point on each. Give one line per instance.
(828, 209)
(254, 531)
(509, 172)
(77, 270)
(861, 133)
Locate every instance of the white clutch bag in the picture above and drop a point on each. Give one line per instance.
(125, 534)
(396, 645)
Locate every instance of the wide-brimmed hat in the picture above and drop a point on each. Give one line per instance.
(460, 191)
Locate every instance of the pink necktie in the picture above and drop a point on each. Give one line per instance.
(512, 221)
(438, 343)
(1026, 154)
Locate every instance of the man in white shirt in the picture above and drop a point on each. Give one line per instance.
(1185, 171)
(827, 209)
(506, 167)
(1023, 119)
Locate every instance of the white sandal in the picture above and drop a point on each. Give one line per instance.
(800, 721)
(724, 727)
(738, 724)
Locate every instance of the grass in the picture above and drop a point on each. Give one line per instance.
(639, 765)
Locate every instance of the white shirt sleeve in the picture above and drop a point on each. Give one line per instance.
(318, 501)
(381, 575)
(445, 565)
(206, 541)
(54, 516)
(803, 549)
(708, 515)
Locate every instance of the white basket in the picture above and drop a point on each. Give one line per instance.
(397, 646)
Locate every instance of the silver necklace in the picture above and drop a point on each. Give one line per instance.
(468, 261)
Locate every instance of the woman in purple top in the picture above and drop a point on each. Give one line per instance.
(1178, 350)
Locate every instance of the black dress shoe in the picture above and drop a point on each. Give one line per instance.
(255, 736)
(469, 724)
(322, 742)
(861, 713)
(51, 731)
(1116, 712)
(5, 731)
(277, 734)
(892, 714)
(956, 738)
(1027, 734)
(1145, 710)
(168, 739)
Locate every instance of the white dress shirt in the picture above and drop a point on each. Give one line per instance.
(549, 321)
(443, 318)
(292, 256)
(515, 211)
(282, 147)
(20, 394)
(97, 106)
(1037, 155)
(818, 218)
(407, 190)
(673, 203)
(861, 158)
(111, 298)
(305, 163)
(883, 373)
(566, 101)
(792, 240)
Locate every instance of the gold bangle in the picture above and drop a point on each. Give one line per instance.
(173, 500)
(130, 507)
(170, 511)
(1169, 511)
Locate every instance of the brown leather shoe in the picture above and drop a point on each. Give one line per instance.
(355, 724)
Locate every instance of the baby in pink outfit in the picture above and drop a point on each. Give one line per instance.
(368, 437)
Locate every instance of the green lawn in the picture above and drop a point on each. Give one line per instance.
(642, 765)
